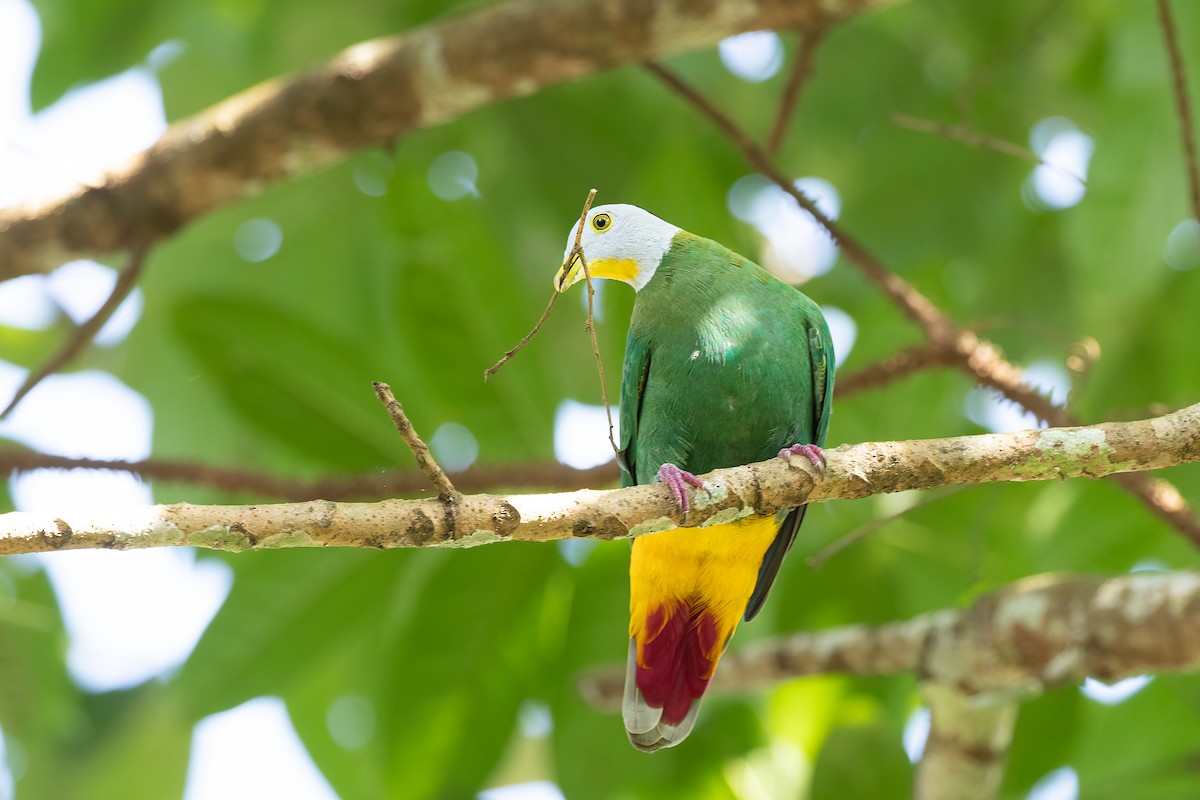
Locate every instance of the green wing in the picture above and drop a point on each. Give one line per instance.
(821, 363)
(634, 371)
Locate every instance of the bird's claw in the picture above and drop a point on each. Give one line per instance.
(678, 480)
(810, 451)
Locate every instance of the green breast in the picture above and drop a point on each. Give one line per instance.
(731, 377)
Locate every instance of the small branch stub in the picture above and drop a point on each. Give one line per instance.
(420, 450)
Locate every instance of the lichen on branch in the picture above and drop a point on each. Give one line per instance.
(853, 471)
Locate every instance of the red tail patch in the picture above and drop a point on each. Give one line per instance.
(677, 659)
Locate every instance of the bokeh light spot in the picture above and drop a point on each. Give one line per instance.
(1059, 182)
(916, 733)
(1061, 784)
(175, 597)
(576, 551)
(581, 434)
(372, 173)
(797, 247)
(1112, 693)
(753, 56)
(842, 329)
(252, 752)
(535, 720)
(257, 240)
(454, 447)
(1182, 251)
(114, 422)
(453, 176)
(351, 721)
(25, 303)
(533, 790)
(991, 410)
(80, 288)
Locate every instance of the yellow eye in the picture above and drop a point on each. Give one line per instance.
(601, 223)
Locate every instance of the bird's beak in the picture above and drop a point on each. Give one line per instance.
(569, 272)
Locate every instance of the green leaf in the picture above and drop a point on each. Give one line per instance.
(287, 613)
(452, 676)
(38, 702)
(133, 743)
(290, 378)
(862, 761)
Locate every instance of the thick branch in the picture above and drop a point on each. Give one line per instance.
(367, 96)
(1039, 633)
(757, 489)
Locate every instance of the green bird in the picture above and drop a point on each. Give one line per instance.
(725, 364)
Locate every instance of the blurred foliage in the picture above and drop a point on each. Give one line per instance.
(269, 365)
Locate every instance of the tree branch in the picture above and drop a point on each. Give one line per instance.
(802, 69)
(973, 138)
(369, 95)
(967, 746)
(852, 471)
(1182, 106)
(895, 367)
(1036, 634)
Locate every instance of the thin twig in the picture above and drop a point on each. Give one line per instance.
(494, 368)
(372, 486)
(587, 206)
(977, 357)
(85, 333)
(802, 69)
(1182, 105)
(973, 138)
(590, 325)
(420, 450)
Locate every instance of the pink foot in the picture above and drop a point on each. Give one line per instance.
(810, 451)
(678, 480)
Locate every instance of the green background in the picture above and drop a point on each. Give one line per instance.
(424, 293)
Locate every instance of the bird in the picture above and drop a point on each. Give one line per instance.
(725, 364)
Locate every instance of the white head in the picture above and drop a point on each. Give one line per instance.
(619, 241)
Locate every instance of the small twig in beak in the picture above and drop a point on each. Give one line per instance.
(575, 249)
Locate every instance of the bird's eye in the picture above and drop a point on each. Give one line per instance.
(601, 223)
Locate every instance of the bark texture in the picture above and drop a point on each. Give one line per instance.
(369, 95)
(761, 489)
(1039, 633)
